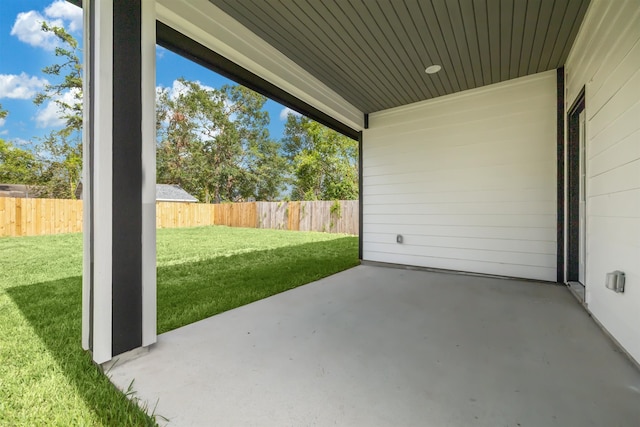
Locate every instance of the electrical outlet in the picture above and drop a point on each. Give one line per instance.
(615, 281)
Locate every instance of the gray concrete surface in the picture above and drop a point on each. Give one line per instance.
(375, 346)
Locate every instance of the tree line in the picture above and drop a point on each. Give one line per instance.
(213, 142)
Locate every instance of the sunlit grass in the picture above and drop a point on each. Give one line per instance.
(45, 377)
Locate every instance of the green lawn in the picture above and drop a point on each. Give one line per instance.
(45, 377)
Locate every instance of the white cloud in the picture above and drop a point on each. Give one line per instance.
(19, 142)
(178, 88)
(2, 121)
(28, 29)
(62, 9)
(160, 51)
(20, 86)
(28, 25)
(286, 111)
(50, 115)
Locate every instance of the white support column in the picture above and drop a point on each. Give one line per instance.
(148, 50)
(86, 183)
(119, 278)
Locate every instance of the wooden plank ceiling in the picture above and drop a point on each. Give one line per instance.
(374, 53)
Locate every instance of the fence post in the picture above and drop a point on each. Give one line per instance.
(18, 217)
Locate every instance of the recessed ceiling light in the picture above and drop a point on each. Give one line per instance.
(433, 69)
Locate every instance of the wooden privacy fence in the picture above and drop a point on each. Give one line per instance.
(236, 214)
(331, 217)
(179, 214)
(32, 217)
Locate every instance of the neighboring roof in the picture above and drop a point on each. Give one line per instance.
(374, 53)
(20, 191)
(172, 193)
(164, 193)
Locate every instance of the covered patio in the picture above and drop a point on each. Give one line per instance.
(379, 346)
(496, 138)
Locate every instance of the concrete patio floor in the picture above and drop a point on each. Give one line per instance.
(375, 346)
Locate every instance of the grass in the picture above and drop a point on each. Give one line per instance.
(46, 378)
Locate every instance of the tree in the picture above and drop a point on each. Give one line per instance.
(18, 166)
(65, 93)
(61, 150)
(62, 165)
(324, 162)
(264, 167)
(214, 143)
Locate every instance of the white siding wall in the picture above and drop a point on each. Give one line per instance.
(606, 60)
(468, 179)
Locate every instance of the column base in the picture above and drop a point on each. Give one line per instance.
(125, 357)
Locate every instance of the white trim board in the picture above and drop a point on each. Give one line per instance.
(148, 82)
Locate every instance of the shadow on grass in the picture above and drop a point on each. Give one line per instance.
(54, 310)
(194, 291)
(186, 293)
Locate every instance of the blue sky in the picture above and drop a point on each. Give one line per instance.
(25, 50)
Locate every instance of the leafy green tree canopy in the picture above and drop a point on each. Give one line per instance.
(66, 92)
(324, 162)
(18, 166)
(61, 150)
(215, 144)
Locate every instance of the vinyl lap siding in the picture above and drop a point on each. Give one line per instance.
(468, 179)
(606, 60)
